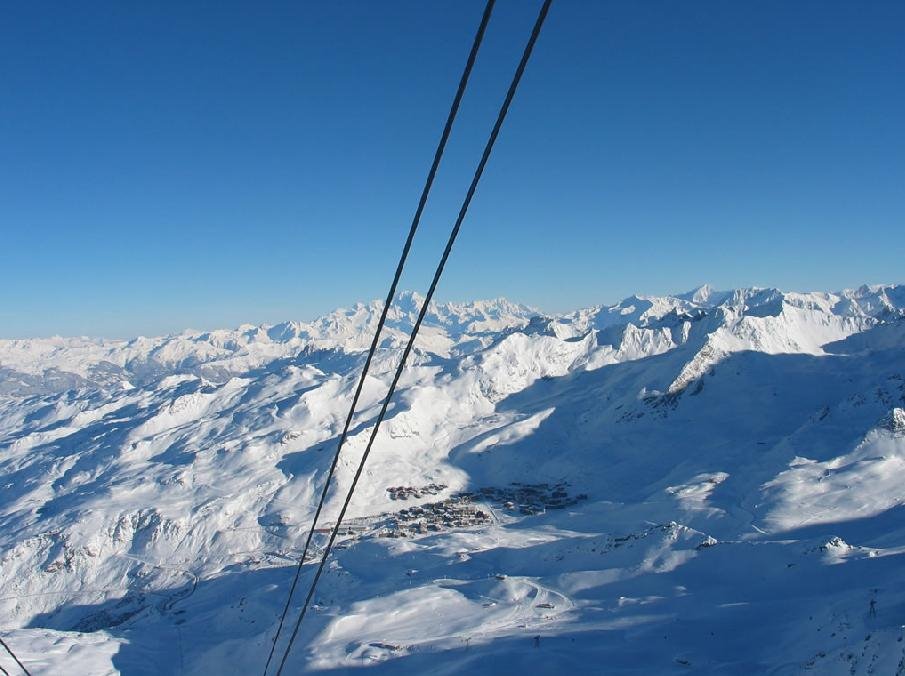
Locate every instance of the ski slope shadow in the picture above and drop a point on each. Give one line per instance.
(744, 422)
(729, 608)
(724, 609)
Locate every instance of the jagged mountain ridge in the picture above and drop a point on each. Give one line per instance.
(52, 364)
(738, 431)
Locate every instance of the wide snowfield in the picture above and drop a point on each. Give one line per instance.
(704, 483)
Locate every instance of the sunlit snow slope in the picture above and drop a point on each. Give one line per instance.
(721, 477)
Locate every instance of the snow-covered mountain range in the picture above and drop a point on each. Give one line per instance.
(709, 482)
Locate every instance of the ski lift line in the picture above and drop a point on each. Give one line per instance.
(438, 154)
(13, 655)
(501, 116)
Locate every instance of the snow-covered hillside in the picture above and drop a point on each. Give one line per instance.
(701, 483)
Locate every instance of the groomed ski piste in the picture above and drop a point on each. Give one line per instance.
(709, 482)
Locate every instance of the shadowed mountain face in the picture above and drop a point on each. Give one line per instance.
(710, 481)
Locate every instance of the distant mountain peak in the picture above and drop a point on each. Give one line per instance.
(699, 295)
(705, 295)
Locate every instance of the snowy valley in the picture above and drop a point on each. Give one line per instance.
(709, 482)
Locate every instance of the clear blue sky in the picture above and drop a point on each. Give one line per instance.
(172, 165)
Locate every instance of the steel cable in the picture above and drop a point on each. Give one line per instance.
(13, 655)
(504, 109)
(438, 154)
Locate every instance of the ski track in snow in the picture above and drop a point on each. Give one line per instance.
(706, 483)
